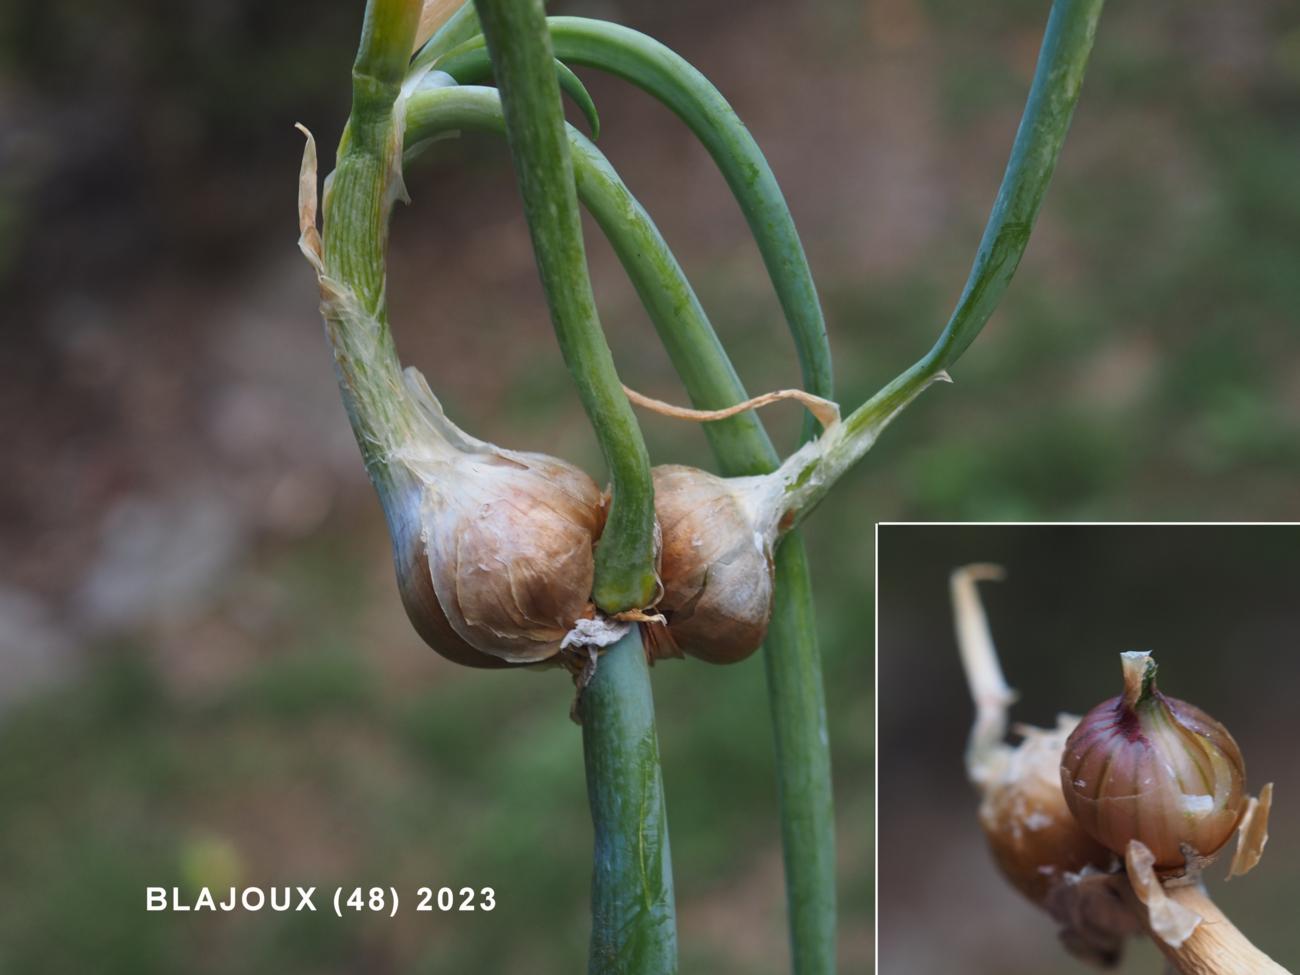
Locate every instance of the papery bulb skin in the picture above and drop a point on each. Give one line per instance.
(510, 542)
(494, 548)
(415, 585)
(716, 565)
(1031, 833)
(1145, 766)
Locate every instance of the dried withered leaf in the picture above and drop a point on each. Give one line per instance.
(1170, 921)
(308, 235)
(434, 14)
(827, 412)
(1252, 834)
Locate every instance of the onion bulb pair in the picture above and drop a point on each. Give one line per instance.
(494, 549)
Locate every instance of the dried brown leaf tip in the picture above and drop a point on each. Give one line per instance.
(309, 241)
(827, 412)
(1034, 839)
(433, 15)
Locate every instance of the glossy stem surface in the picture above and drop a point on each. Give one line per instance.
(524, 67)
(634, 927)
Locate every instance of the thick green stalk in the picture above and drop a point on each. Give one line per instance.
(634, 927)
(357, 210)
(742, 447)
(352, 271)
(470, 64)
(803, 762)
(1067, 43)
(524, 67)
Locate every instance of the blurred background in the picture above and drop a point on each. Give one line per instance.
(1215, 605)
(205, 674)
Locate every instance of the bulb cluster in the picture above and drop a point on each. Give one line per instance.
(494, 549)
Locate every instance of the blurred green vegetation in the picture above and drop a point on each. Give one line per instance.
(311, 769)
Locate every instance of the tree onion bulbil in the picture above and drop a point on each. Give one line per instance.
(505, 541)
(716, 566)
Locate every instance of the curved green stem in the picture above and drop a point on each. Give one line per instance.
(470, 64)
(634, 928)
(664, 74)
(524, 67)
(659, 280)
(1067, 42)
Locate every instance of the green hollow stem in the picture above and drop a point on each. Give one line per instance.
(357, 209)
(797, 699)
(742, 447)
(351, 265)
(1067, 42)
(470, 64)
(792, 661)
(634, 929)
(523, 64)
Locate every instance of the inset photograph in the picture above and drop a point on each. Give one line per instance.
(1087, 748)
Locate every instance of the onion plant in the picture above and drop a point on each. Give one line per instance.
(508, 559)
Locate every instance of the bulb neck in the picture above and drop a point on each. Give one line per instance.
(1139, 678)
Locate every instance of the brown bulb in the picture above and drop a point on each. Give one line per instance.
(1144, 766)
(494, 548)
(1031, 833)
(716, 566)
